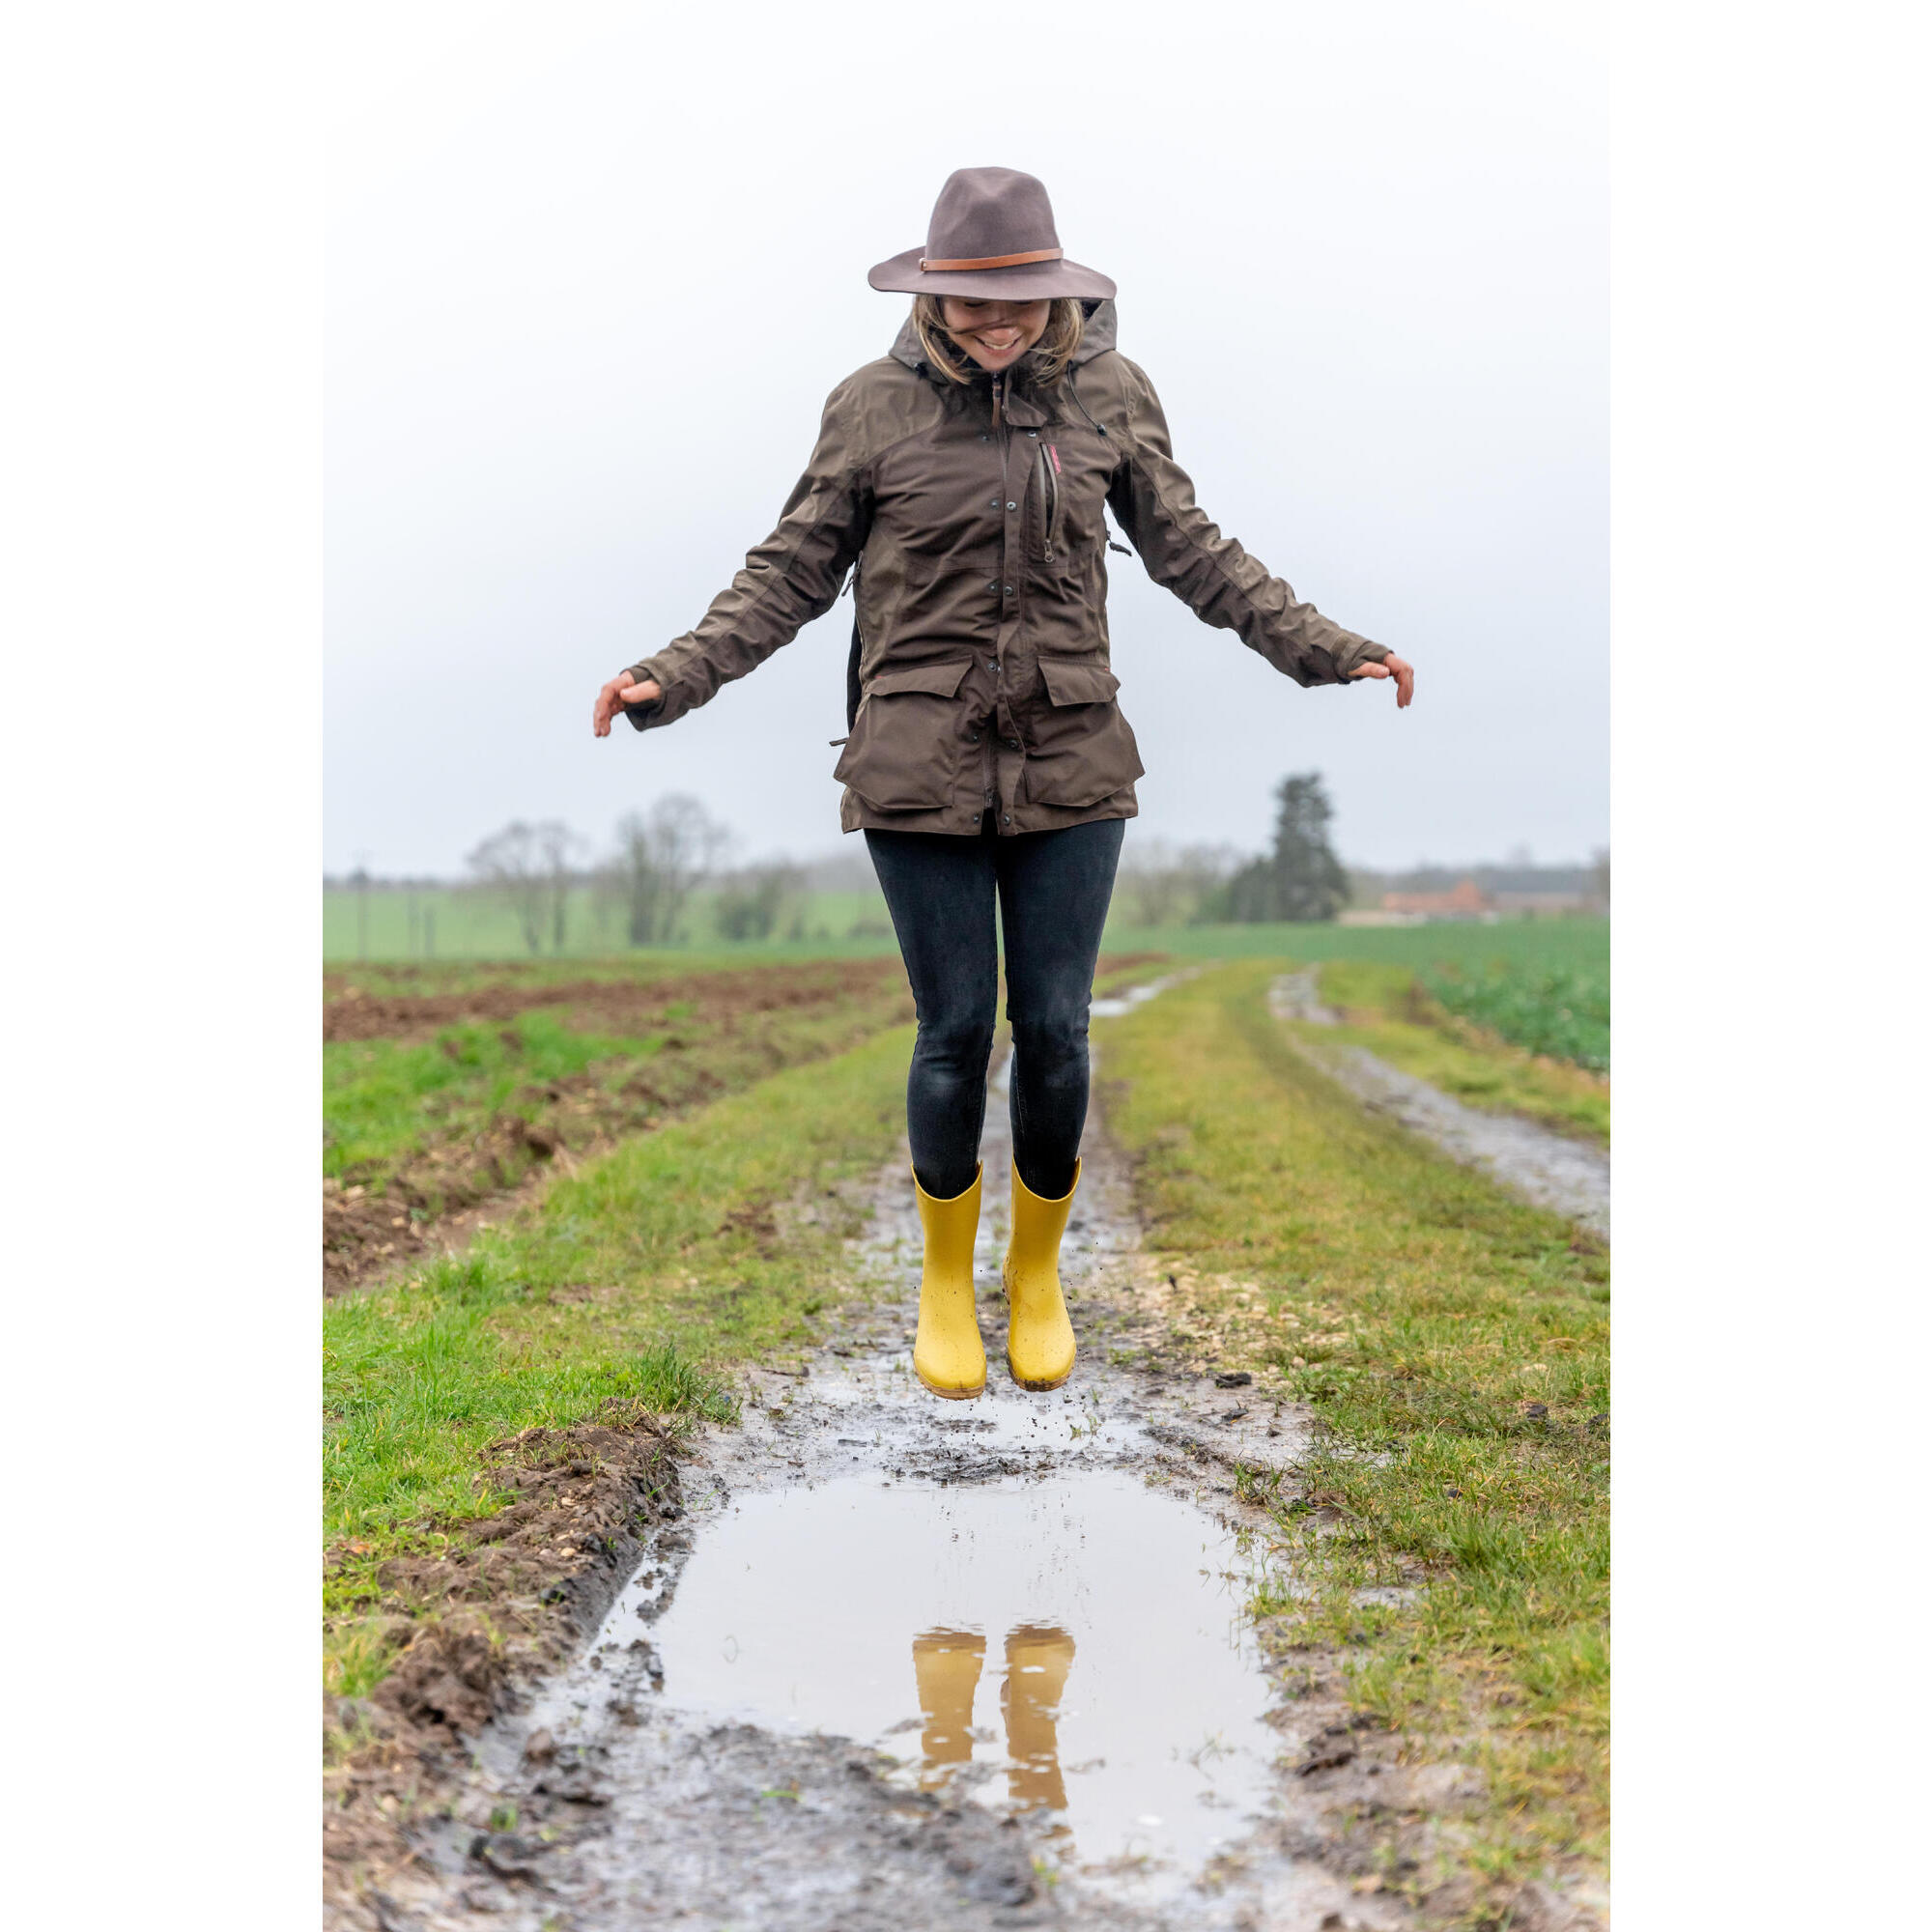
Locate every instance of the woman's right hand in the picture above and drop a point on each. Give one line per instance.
(618, 694)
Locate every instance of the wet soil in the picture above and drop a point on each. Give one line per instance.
(1553, 1170)
(618, 1006)
(905, 1663)
(483, 1606)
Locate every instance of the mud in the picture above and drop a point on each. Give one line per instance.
(486, 1604)
(1550, 1169)
(625, 1008)
(905, 1664)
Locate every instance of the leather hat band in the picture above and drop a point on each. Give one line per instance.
(929, 265)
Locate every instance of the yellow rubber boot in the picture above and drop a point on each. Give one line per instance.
(946, 1355)
(1039, 1338)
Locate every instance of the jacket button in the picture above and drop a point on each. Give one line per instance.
(993, 503)
(1007, 819)
(1010, 590)
(1013, 744)
(1013, 506)
(992, 586)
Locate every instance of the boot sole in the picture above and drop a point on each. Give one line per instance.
(1039, 1388)
(951, 1394)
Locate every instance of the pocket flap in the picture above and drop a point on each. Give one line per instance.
(942, 680)
(1077, 681)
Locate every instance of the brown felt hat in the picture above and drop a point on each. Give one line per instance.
(991, 237)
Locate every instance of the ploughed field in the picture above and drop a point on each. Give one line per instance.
(447, 1088)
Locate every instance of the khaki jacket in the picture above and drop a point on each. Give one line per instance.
(975, 518)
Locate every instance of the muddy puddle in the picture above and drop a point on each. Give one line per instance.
(1072, 1644)
(948, 1665)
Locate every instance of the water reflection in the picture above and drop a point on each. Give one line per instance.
(946, 1667)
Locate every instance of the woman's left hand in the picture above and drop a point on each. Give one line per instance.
(1399, 669)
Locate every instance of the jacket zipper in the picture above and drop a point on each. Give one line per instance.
(1050, 484)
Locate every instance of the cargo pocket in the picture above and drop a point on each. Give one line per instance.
(903, 754)
(1082, 750)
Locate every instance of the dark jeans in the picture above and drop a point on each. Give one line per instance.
(1053, 889)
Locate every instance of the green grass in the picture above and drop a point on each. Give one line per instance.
(1385, 1009)
(380, 1095)
(1420, 1313)
(713, 1240)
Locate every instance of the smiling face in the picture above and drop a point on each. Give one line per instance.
(995, 334)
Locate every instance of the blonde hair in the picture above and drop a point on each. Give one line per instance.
(1066, 324)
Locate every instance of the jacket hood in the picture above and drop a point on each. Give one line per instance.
(1098, 337)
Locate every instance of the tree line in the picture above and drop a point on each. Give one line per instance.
(645, 883)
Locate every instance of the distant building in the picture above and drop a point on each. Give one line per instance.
(1544, 905)
(1465, 899)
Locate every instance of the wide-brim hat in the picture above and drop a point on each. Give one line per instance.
(991, 237)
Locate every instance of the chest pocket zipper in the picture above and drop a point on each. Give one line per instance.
(1049, 493)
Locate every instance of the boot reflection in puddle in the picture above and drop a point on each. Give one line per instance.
(1039, 1657)
(946, 1662)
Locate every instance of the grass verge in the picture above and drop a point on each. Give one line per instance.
(1453, 1346)
(1388, 1010)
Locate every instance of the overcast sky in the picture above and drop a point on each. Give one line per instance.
(593, 270)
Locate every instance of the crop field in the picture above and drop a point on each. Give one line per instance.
(1561, 1011)
(581, 1215)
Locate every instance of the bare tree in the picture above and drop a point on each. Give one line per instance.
(749, 901)
(513, 866)
(662, 856)
(555, 843)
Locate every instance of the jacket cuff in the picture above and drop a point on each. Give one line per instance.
(644, 716)
(1363, 652)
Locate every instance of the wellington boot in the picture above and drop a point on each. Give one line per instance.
(946, 1355)
(1039, 1338)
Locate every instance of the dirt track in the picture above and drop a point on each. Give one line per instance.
(1553, 1170)
(650, 1788)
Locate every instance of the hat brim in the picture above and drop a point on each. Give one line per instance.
(1035, 281)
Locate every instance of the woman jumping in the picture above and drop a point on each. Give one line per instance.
(963, 481)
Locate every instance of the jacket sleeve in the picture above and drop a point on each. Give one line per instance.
(790, 579)
(1212, 573)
